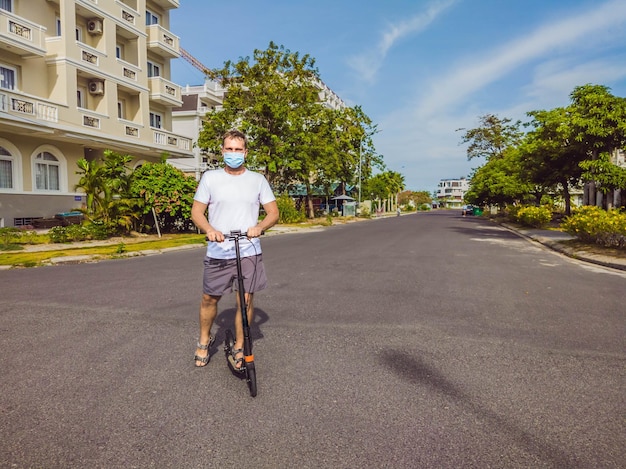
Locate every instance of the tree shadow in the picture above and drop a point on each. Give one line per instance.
(420, 373)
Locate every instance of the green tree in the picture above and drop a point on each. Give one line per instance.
(498, 182)
(492, 137)
(598, 125)
(276, 100)
(548, 157)
(167, 190)
(106, 184)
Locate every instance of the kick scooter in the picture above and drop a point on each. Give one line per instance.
(247, 365)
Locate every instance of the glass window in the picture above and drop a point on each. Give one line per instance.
(151, 18)
(7, 78)
(6, 169)
(6, 5)
(58, 25)
(47, 172)
(155, 120)
(154, 70)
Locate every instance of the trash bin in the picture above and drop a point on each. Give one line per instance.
(477, 211)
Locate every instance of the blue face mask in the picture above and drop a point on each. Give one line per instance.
(233, 159)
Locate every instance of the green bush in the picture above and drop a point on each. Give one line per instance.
(288, 211)
(75, 233)
(9, 237)
(530, 215)
(595, 225)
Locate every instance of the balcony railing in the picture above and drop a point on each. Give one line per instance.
(19, 105)
(164, 91)
(167, 139)
(26, 38)
(128, 71)
(163, 42)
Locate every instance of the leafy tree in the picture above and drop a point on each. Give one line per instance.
(383, 186)
(499, 182)
(167, 190)
(106, 184)
(492, 137)
(607, 175)
(548, 157)
(417, 197)
(275, 99)
(598, 125)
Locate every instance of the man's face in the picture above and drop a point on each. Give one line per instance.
(235, 145)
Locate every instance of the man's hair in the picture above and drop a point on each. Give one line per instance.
(236, 134)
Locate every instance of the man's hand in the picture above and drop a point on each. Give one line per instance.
(254, 232)
(213, 235)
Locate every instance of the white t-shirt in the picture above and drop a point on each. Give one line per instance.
(234, 202)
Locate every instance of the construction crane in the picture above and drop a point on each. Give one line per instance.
(195, 62)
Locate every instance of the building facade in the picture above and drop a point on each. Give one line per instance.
(450, 192)
(198, 100)
(78, 77)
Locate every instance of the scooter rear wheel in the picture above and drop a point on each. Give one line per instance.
(229, 342)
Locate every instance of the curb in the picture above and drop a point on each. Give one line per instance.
(578, 254)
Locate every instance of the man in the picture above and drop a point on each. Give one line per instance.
(232, 196)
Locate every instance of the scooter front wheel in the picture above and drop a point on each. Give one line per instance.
(251, 378)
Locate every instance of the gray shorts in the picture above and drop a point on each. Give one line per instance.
(220, 275)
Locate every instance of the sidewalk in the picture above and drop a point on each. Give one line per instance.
(555, 241)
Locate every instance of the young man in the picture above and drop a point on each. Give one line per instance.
(233, 196)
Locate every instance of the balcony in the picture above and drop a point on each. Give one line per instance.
(171, 142)
(20, 36)
(164, 92)
(128, 72)
(163, 42)
(165, 4)
(21, 106)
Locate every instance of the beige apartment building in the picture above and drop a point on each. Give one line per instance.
(78, 77)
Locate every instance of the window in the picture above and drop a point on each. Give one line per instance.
(155, 120)
(47, 172)
(6, 5)
(58, 25)
(7, 78)
(154, 70)
(6, 169)
(121, 109)
(119, 51)
(80, 96)
(79, 34)
(151, 18)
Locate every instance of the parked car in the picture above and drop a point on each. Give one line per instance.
(467, 210)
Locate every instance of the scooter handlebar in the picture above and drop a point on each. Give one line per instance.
(235, 234)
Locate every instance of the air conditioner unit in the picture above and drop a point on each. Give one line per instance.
(96, 87)
(94, 26)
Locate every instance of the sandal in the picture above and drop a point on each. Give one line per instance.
(237, 363)
(204, 360)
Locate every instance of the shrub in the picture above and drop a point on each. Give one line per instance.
(532, 216)
(9, 237)
(74, 233)
(288, 211)
(595, 225)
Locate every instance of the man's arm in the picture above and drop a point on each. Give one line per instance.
(198, 217)
(271, 218)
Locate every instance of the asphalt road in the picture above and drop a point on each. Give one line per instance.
(421, 341)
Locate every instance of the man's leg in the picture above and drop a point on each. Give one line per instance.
(208, 312)
(239, 322)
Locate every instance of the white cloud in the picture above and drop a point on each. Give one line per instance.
(367, 64)
(469, 77)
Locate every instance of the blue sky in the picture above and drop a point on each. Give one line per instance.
(423, 69)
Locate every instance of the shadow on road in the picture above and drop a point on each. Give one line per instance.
(423, 375)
